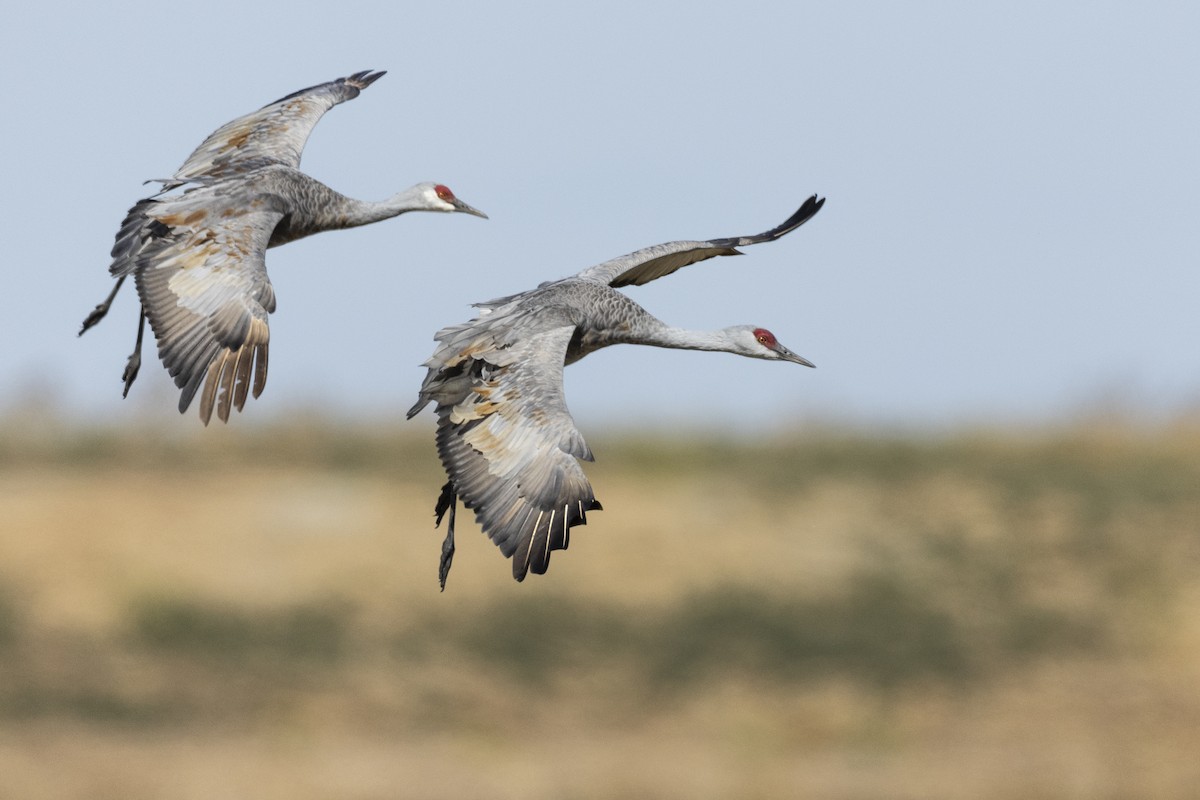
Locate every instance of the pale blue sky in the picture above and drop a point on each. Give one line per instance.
(1010, 231)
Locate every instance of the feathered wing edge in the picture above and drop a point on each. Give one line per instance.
(508, 443)
(526, 527)
(650, 263)
(202, 282)
(273, 134)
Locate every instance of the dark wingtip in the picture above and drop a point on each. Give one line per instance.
(807, 211)
(803, 214)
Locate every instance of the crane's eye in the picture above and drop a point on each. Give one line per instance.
(765, 337)
(444, 192)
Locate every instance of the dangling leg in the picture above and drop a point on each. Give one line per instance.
(99, 311)
(135, 358)
(448, 501)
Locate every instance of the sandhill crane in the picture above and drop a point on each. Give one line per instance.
(198, 257)
(504, 434)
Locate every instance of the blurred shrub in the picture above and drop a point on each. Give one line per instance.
(882, 629)
(10, 621)
(309, 633)
(887, 627)
(976, 554)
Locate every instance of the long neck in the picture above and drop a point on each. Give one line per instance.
(316, 208)
(338, 211)
(663, 335)
(363, 212)
(610, 317)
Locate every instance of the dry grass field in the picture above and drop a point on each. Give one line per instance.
(252, 612)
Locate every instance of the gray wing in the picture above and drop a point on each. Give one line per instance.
(653, 262)
(507, 440)
(199, 264)
(275, 134)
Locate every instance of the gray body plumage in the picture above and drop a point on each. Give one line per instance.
(198, 257)
(504, 435)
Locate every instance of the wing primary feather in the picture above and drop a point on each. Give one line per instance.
(260, 369)
(241, 385)
(226, 383)
(802, 215)
(536, 537)
(209, 394)
(547, 544)
(188, 391)
(210, 389)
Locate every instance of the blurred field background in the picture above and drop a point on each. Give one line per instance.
(252, 611)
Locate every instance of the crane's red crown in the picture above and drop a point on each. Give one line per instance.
(765, 337)
(444, 192)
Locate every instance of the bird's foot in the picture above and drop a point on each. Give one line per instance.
(447, 501)
(97, 314)
(447, 556)
(131, 370)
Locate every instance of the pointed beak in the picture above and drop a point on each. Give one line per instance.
(788, 355)
(459, 205)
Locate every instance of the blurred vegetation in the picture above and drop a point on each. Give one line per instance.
(313, 443)
(898, 566)
(303, 634)
(9, 619)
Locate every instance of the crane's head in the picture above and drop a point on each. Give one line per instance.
(432, 196)
(756, 342)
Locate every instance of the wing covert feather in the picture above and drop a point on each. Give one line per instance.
(199, 262)
(511, 448)
(274, 134)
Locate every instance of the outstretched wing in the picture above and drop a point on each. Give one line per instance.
(275, 134)
(508, 442)
(201, 275)
(653, 262)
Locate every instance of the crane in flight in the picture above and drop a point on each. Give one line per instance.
(504, 435)
(198, 257)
